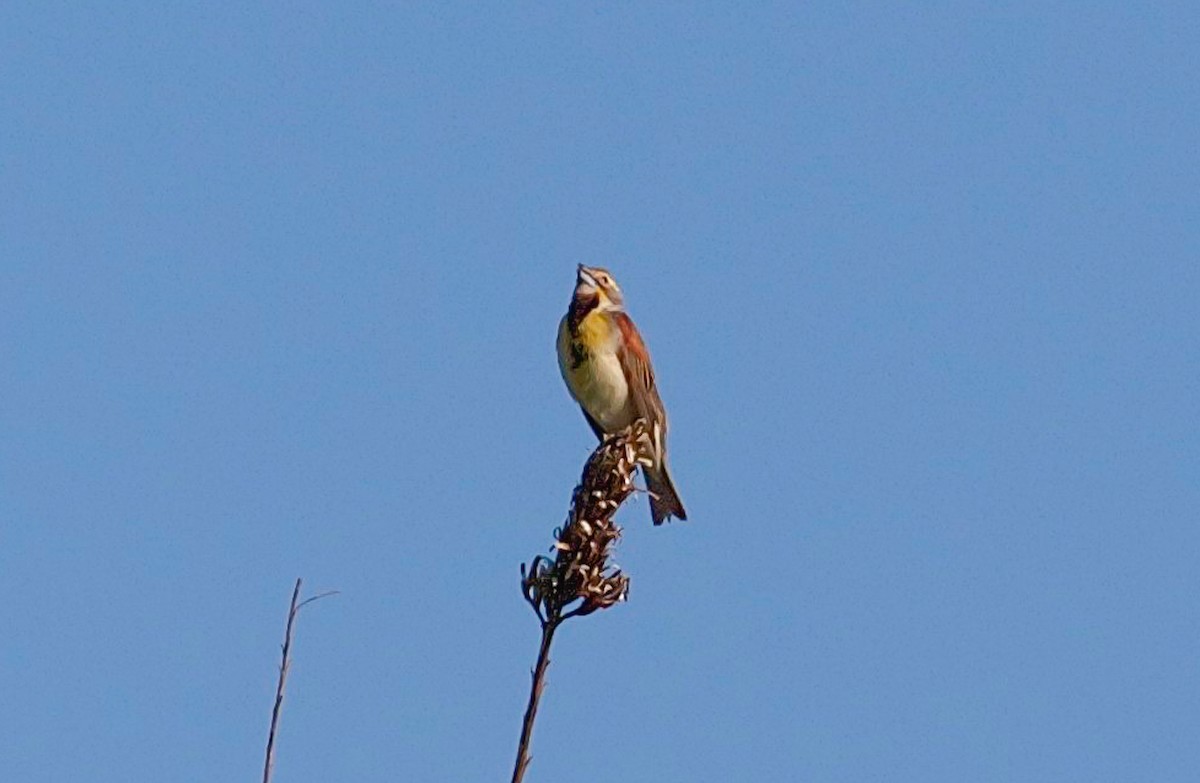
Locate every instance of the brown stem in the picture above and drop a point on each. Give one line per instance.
(535, 695)
(580, 574)
(284, 665)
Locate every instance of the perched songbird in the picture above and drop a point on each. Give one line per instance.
(608, 372)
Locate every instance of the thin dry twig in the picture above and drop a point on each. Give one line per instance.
(580, 579)
(535, 697)
(284, 665)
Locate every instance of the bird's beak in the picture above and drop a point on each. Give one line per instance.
(583, 276)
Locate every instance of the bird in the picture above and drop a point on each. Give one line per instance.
(607, 370)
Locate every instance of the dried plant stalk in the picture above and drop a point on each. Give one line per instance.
(579, 579)
(285, 666)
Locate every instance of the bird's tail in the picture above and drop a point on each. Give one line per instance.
(664, 500)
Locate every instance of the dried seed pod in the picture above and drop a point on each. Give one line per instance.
(580, 570)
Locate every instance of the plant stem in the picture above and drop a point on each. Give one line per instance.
(284, 665)
(535, 695)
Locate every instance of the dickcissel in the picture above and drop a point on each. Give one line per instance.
(607, 370)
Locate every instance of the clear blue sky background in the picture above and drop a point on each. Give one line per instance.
(278, 292)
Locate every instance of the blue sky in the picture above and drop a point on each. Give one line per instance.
(278, 292)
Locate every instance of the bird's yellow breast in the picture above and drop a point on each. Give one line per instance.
(597, 331)
(592, 370)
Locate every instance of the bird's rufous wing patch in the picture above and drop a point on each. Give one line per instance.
(635, 363)
(635, 359)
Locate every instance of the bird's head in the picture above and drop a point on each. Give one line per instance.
(592, 282)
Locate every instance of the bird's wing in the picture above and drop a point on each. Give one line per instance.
(639, 375)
